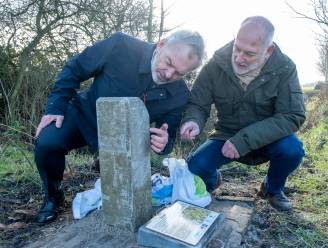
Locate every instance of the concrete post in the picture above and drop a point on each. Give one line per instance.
(123, 136)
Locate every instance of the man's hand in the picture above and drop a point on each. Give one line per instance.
(189, 130)
(159, 138)
(229, 150)
(46, 120)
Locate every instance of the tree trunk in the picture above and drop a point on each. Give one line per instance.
(161, 25)
(150, 21)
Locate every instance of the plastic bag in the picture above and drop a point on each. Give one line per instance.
(85, 202)
(186, 186)
(161, 190)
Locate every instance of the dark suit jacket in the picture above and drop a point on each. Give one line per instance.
(120, 67)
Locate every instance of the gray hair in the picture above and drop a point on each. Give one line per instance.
(265, 24)
(190, 38)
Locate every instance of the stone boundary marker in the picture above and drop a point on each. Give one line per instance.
(123, 137)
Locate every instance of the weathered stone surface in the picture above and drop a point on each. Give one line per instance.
(92, 231)
(237, 217)
(123, 136)
(241, 215)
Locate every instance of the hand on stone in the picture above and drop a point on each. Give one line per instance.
(189, 130)
(159, 138)
(46, 120)
(229, 150)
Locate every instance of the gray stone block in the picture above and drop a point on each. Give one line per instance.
(123, 137)
(241, 215)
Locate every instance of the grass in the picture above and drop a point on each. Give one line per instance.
(307, 226)
(75, 158)
(16, 164)
(289, 230)
(309, 90)
(312, 178)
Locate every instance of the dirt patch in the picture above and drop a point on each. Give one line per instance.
(19, 204)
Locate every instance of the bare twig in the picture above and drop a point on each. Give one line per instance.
(7, 100)
(316, 19)
(18, 131)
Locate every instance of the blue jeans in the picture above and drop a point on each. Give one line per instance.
(285, 155)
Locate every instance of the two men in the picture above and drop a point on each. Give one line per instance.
(121, 66)
(253, 85)
(259, 104)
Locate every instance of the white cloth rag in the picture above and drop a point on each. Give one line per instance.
(85, 202)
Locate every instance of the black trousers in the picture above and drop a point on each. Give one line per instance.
(51, 147)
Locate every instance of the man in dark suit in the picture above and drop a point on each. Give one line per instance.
(121, 66)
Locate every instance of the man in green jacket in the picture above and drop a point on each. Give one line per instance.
(259, 104)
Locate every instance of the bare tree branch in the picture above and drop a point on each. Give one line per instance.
(320, 16)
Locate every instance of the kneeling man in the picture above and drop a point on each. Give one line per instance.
(259, 104)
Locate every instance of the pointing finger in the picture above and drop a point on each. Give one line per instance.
(164, 127)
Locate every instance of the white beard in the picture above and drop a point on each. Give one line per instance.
(154, 64)
(248, 69)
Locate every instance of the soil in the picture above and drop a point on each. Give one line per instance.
(19, 205)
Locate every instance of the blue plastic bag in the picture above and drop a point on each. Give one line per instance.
(161, 190)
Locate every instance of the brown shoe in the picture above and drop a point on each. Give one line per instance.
(279, 201)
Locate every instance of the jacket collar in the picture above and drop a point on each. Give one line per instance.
(222, 57)
(276, 61)
(145, 62)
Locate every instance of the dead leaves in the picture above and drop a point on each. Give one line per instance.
(19, 219)
(12, 226)
(25, 212)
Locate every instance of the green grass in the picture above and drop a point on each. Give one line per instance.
(17, 164)
(309, 89)
(307, 226)
(290, 230)
(312, 178)
(75, 158)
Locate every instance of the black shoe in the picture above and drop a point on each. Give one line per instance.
(279, 201)
(219, 180)
(218, 183)
(48, 211)
(96, 164)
